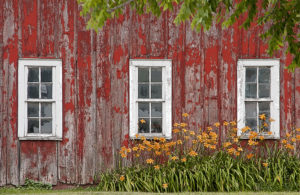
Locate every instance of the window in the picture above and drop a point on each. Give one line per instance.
(40, 99)
(258, 93)
(151, 98)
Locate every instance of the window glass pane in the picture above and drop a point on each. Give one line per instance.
(144, 124)
(46, 91)
(252, 123)
(264, 107)
(250, 109)
(250, 90)
(46, 74)
(264, 126)
(251, 74)
(33, 74)
(143, 91)
(33, 109)
(144, 109)
(267, 114)
(156, 75)
(156, 125)
(156, 109)
(46, 126)
(156, 91)
(46, 109)
(33, 126)
(143, 75)
(264, 90)
(33, 91)
(264, 75)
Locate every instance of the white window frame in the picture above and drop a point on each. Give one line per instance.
(274, 99)
(23, 65)
(166, 65)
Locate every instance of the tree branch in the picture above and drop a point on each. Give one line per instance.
(119, 6)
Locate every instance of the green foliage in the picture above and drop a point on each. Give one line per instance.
(35, 185)
(218, 172)
(280, 18)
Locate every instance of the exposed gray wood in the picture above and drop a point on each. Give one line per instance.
(10, 41)
(192, 78)
(67, 148)
(175, 47)
(86, 100)
(3, 105)
(227, 89)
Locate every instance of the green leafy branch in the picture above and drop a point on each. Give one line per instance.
(279, 18)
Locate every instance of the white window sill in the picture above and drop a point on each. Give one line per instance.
(49, 138)
(150, 136)
(266, 136)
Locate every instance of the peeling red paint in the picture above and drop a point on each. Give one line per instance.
(28, 148)
(118, 53)
(44, 171)
(47, 30)
(119, 74)
(107, 88)
(29, 28)
(117, 109)
(64, 141)
(126, 141)
(142, 37)
(69, 106)
(96, 82)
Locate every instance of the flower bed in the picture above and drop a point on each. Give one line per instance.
(196, 161)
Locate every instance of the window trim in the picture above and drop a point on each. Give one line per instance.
(274, 65)
(23, 65)
(166, 65)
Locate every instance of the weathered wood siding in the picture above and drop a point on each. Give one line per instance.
(95, 82)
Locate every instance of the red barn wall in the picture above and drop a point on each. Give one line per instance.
(95, 82)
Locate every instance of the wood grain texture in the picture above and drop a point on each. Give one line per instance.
(10, 59)
(3, 111)
(286, 97)
(297, 98)
(176, 53)
(38, 161)
(67, 51)
(227, 100)
(29, 26)
(47, 27)
(193, 90)
(86, 113)
(211, 75)
(297, 102)
(96, 83)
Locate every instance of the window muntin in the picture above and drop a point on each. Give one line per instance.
(40, 99)
(258, 93)
(150, 98)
